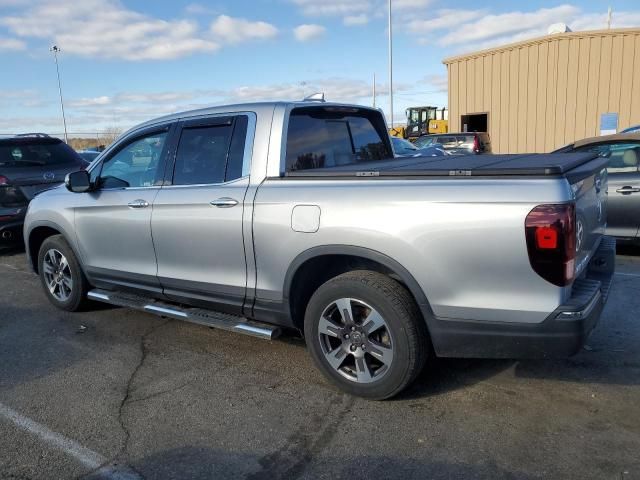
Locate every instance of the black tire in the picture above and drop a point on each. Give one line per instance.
(404, 328)
(77, 294)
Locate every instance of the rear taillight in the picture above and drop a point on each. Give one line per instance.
(551, 242)
(4, 180)
(476, 144)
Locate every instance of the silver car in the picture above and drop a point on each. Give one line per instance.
(261, 217)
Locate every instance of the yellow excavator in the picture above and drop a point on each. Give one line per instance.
(422, 121)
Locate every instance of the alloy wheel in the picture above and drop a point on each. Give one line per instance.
(57, 275)
(355, 340)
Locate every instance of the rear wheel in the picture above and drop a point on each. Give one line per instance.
(365, 334)
(62, 278)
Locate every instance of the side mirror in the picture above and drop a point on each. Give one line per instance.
(78, 182)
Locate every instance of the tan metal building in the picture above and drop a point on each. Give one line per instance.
(540, 94)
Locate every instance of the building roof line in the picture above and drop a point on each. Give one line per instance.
(545, 39)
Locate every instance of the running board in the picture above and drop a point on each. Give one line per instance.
(208, 318)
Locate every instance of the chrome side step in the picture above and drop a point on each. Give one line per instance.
(209, 318)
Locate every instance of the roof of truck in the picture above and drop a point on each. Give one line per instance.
(245, 107)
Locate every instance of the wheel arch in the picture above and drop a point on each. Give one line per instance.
(36, 237)
(329, 261)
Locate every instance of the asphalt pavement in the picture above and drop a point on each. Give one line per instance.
(113, 393)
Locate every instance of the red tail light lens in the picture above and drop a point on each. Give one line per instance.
(551, 242)
(476, 144)
(4, 180)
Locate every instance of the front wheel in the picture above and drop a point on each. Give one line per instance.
(365, 334)
(62, 278)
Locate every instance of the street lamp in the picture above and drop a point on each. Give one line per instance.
(55, 49)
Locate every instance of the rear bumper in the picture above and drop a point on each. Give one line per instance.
(561, 334)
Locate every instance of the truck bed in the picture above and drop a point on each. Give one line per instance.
(570, 165)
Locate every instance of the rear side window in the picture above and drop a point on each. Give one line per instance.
(210, 154)
(22, 154)
(324, 137)
(623, 157)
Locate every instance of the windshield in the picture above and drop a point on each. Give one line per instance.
(22, 154)
(400, 145)
(424, 142)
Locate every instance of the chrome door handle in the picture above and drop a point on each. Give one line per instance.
(224, 202)
(624, 190)
(138, 204)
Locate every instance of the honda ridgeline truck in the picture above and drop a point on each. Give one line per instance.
(262, 217)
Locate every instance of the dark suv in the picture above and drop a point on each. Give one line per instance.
(29, 164)
(457, 143)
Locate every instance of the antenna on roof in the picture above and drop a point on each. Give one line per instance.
(315, 97)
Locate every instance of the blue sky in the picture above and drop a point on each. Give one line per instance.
(125, 61)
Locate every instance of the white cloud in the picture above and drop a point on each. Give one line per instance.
(125, 109)
(12, 44)
(332, 7)
(352, 20)
(510, 23)
(236, 30)
(410, 4)
(598, 21)
(443, 19)
(476, 29)
(106, 29)
(199, 9)
(307, 32)
(440, 82)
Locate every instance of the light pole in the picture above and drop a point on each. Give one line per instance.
(55, 49)
(390, 67)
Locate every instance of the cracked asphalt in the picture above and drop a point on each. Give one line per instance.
(158, 398)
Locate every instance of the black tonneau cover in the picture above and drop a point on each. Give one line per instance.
(531, 164)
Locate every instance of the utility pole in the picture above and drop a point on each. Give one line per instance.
(374, 89)
(609, 14)
(55, 49)
(390, 68)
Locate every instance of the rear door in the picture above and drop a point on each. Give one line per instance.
(623, 210)
(197, 216)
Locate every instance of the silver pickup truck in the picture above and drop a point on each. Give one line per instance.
(261, 217)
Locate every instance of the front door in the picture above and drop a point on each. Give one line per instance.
(623, 200)
(197, 219)
(113, 222)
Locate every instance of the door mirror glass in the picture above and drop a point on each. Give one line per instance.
(78, 182)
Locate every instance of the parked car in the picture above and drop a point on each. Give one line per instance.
(404, 148)
(256, 217)
(88, 155)
(623, 152)
(633, 129)
(457, 143)
(29, 163)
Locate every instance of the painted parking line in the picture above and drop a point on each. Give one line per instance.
(628, 274)
(86, 457)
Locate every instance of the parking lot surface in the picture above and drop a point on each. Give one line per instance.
(114, 393)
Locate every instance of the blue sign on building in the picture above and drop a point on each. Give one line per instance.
(608, 123)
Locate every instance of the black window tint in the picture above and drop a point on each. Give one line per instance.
(202, 155)
(236, 151)
(33, 154)
(320, 137)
